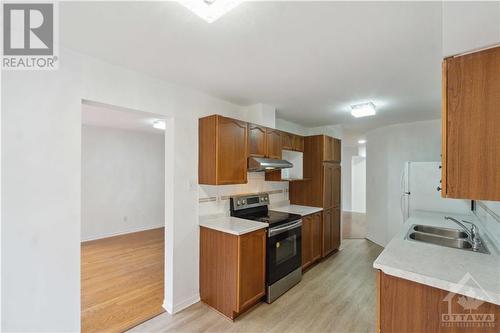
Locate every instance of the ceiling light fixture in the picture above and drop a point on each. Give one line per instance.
(361, 142)
(363, 110)
(210, 10)
(160, 124)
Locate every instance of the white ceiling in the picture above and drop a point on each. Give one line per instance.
(309, 59)
(95, 114)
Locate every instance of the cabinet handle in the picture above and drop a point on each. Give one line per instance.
(439, 188)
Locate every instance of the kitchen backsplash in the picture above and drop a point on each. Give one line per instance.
(488, 213)
(215, 199)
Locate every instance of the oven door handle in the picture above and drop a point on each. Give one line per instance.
(277, 231)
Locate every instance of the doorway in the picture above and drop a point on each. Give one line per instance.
(123, 217)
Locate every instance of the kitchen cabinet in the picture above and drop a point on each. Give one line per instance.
(232, 270)
(298, 143)
(470, 123)
(311, 239)
(407, 306)
(324, 187)
(327, 232)
(331, 149)
(287, 141)
(222, 151)
(257, 140)
(273, 143)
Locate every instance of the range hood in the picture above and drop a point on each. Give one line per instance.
(267, 164)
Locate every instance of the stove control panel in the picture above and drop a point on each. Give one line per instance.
(249, 201)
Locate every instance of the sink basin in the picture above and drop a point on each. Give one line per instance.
(457, 239)
(457, 243)
(445, 232)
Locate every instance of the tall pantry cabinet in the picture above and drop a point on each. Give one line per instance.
(322, 159)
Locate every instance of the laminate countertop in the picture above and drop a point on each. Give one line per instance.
(229, 224)
(296, 209)
(464, 272)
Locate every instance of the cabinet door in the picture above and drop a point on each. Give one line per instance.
(471, 122)
(335, 228)
(327, 148)
(287, 141)
(256, 140)
(252, 269)
(337, 147)
(316, 236)
(335, 185)
(273, 138)
(231, 151)
(327, 232)
(328, 179)
(306, 241)
(298, 143)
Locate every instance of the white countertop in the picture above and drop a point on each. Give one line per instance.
(297, 209)
(230, 225)
(442, 267)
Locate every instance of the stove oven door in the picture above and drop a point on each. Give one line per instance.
(284, 252)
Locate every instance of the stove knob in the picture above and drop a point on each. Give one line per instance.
(244, 201)
(238, 203)
(265, 198)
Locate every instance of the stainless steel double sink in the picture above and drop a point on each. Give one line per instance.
(448, 237)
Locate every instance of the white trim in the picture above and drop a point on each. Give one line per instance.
(370, 238)
(128, 231)
(181, 305)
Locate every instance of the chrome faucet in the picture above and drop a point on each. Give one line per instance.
(473, 232)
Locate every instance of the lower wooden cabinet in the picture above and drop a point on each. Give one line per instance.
(232, 270)
(407, 306)
(311, 239)
(331, 230)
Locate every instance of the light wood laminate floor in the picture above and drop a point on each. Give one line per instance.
(121, 281)
(337, 295)
(353, 225)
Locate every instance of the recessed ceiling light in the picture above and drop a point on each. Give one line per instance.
(361, 142)
(159, 124)
(210, 10)
(363, 110)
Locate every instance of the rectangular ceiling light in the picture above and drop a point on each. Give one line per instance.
(363, 110)
(210, 10)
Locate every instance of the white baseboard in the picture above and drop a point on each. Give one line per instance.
(181, 305)
(374, 241)
(123, 232)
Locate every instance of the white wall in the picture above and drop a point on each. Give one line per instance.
(358, 184)
(348, 153)
(470, 25)
(387, 149)
(291, 127)
(123, 181)
(41, 173)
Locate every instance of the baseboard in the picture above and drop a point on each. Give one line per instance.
(181, 305)
(374, 241)
(124, 232)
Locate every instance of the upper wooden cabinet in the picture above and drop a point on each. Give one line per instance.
(273, 142)
(291, 141)
(287, 141)
(222, 151)
(257, 140)
(331, 149)
(298, 143)
(471, 122)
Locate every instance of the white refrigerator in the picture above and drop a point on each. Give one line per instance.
(419, 187)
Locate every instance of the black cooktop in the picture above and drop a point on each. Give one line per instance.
(273, 218)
